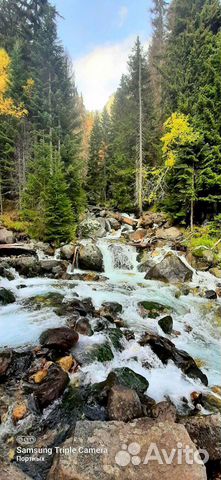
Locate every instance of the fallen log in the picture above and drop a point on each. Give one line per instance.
(127, 220)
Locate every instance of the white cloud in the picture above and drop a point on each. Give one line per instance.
(122, 15)
(98, 73)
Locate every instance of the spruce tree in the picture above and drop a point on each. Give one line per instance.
(58, 214)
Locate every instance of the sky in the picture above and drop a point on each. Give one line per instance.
(98, 36)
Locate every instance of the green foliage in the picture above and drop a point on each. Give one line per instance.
(58, 214)
(12, 221)
(201, 239)
(46, 203)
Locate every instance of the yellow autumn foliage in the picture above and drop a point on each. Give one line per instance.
(179, 132)
(7, 106)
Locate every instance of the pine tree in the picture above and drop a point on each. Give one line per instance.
(58, 214)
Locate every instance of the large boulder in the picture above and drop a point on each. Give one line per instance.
(90, 257)
(171, 269)
(53, 267)
(92, 228)
(61, 339)
(26, 266)
(32, 267)
(6, 236)
(6, 296)
(122, 451)
(166, 350)
(205, 432)
(169, 234)
(123, 404)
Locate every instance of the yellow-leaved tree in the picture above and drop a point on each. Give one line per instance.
(7, 105)
(179, 132)
(178, 146)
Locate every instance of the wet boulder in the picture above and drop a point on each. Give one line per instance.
(26, 266)
(90, 257)
(81, 307)
(110, 310)
(6, 296)
(51, 388)
(211, 295)
(166, 351)
(5, 272)
(82, 326)
(60, 339)
(152, 309)
(102, 353)
(56, 268)
(125, 377)
(166, 324)
(170, 270)
(123, 404)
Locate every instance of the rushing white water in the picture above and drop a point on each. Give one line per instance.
(195, 318)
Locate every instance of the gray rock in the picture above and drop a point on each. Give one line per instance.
(170, 270)
(6, 236)
(92, 228)
(90, 257)
(67, 251)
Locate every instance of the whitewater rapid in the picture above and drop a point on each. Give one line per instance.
(21, 324)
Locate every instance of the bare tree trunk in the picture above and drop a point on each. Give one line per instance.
(50, 121)
(1, 198)
(192, 200)
(140, 164)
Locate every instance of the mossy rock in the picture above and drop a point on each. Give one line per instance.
(49, 300)
(120, 376)
(116, 336)
(153, 309)
(166, 324)
(128, 378)
(6, 296)
(102, 353)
